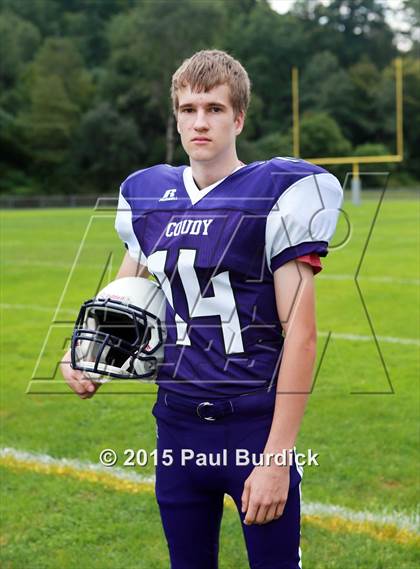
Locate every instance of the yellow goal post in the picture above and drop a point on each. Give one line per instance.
(354, 160)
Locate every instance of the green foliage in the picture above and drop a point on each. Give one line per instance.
(11, 147)
(274, 144)
(326, 87)
(15, 182)
(145, 51)
(247, 150)
(102, 133)
(19, 40)
(68, 65)
(371, 149)
(268, 44)
(60, 58)
(57, 89)
(350, 28)
(365, 79)
(375, 175)
(321, 136)
(412, 114)
(51, 119)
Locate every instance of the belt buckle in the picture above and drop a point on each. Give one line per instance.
(205, 404)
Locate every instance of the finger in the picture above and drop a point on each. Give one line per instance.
(261, 515)
(78, 374)
(270, 514)
(74, 384)
(78, 386)
(279, 509)
(245, 498)
(87, 394)
(87, 385)
(92, 386)
(251, 513)
(71, 374)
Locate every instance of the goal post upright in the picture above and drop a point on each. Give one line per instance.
(355, 161)
(295, 105)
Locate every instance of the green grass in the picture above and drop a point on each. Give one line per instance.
(78, 524)
(366, 443)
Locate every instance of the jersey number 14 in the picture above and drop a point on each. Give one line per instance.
(221, 304)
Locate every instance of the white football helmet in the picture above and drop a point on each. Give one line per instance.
(121, 332)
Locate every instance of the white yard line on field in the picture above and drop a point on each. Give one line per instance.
(361, 338)
(398, 519)
(33, 461)
(335, 335)
(376, 279)
(35, 307)
(49, 264)
(77, 465)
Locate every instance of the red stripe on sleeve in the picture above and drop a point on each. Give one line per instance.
(313, 260)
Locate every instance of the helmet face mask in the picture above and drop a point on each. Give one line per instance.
(117, 339)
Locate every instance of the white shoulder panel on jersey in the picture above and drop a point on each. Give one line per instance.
(307, 211)
(124, 227)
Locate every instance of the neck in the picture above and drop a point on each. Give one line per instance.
(208, 172)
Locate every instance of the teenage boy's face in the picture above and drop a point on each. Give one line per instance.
(207, 123)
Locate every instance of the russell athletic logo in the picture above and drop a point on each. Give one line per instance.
(169, 195)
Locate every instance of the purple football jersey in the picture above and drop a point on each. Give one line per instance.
(214, 252)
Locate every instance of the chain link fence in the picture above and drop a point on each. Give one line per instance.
(54, 201)
(110, 201)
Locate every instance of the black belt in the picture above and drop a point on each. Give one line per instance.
(257, 402)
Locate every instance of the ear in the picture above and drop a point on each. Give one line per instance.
(239, 122)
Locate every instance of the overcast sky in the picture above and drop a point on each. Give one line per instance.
(395, 16)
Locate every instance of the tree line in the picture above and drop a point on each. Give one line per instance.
(84, 85)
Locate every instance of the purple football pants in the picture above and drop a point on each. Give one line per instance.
(190, 495)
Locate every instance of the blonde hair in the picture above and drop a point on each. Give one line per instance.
(209, 68)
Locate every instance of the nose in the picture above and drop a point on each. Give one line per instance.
(200, 122)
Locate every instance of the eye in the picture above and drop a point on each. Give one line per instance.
(216, 109)
(187, 110)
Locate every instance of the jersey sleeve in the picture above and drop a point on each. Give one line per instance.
(313, 260)
(125, 230)
(303, 220)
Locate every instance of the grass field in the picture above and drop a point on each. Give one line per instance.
(362, 417)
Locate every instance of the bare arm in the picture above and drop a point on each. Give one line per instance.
(295, 298)
(76, 379)
(266, 488)
(132, 268)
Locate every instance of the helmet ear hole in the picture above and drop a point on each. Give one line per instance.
(120, 333)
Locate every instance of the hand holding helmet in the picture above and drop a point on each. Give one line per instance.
(77, 380)
(121, 332)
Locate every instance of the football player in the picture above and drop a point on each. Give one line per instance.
(235, 248)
